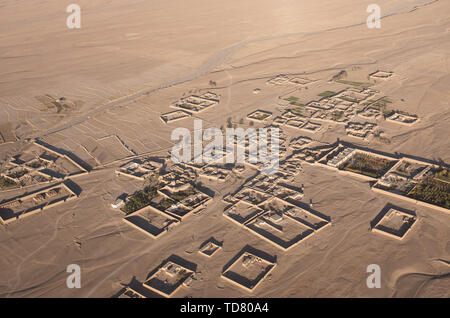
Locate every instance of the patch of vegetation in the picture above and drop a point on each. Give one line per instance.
(294, 101)
(327, 94)
(7, 184)
(356, 84)
(373, 174)
(382, 104)
(140, 200)
(297, 110)
(433, 190)
(368, 165)
(443, 175)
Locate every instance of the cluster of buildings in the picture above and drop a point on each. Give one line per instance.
(334, 107)
(270, 207)
(340, 107)
(398, 177)
(371, 113)
(344, 107)
(186, 106)
(140, 169)
(259, 115)
(405, 175)
(340, 157)
(246, 270)
(219, 172)
(171, 197)
(197, 103)
(394, 222)
(40, 164)
(360, 130)
(299, 143)
(282, 79)
(35, 202)
(297, 120)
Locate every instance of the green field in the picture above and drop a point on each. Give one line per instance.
(443, 175)
(432, 190)
(368, 165)
(139, 200)
(356, 84)
(294, 101)
(297, 111)
(327, 94)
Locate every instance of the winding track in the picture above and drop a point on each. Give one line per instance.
(218, 59)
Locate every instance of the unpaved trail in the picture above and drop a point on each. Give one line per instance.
(220, 58)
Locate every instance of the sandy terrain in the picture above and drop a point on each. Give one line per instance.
(127, 65)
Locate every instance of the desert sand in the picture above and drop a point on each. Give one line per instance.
(132, 60)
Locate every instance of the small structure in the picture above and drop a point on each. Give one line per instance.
(381, 75)
(151, 221)
(403, 118)
(259, 115)
(210, 247)
(360, 130)
(197, 103)
(280, 79)
(174, 116)
(168, 278)
(31, 203)
(249, 268)
(128, 292)
(394, 222)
